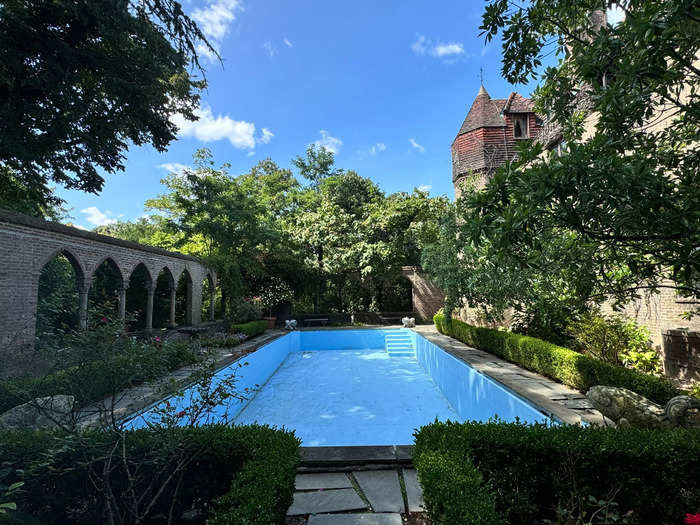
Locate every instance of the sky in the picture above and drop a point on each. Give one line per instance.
(384, 85)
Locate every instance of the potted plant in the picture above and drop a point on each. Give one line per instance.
(274, 294)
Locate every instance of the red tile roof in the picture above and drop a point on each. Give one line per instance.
(487, 112)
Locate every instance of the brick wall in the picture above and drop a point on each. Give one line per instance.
(27, 244)
(427, 298)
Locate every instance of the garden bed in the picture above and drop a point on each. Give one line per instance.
(233, 475)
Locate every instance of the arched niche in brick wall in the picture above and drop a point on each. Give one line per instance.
(61, 280)
(106, 283)
(209, 297)
(137, 297)
(165, 286)
(183, 299)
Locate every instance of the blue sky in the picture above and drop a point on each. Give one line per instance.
(386, 85)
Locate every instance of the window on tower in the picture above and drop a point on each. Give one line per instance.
(520, 127)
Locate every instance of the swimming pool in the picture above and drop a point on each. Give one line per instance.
(361, 387)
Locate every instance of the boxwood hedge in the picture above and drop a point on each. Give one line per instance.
(561, 364)
(251, 329)
(521, 474)
(239, 475)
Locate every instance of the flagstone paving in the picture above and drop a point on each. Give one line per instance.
(355, 519)
(382, 489)
(322, 501)
(325, 498)
(329, 480)
(414, 494)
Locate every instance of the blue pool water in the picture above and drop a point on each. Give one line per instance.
(342, 387)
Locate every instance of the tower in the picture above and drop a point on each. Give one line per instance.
(489, 135)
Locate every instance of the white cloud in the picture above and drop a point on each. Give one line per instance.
(425, 46)
(416, 146)
(173, 167)
(215, 20)
(96, 217)
(445, 50)
(332, 144)
(288, 43)
(266, 136)
(251, 153)
(421, 46)
(271, 50)
(425, 187)
(377, 148)
(211, 128)
(80, 227)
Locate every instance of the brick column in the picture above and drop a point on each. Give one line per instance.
(151, 290)
(122, 303)
(83, 305)
(189, 302)
(172, 290)
(212, 300)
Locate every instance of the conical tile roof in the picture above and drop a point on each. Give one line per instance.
(484, 113)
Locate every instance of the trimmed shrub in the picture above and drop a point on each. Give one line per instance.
(454, 490)
(250, 329)
(532, 472)
(262, 491)
(561, 364)
(247, 470)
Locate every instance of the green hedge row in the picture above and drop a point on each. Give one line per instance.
(566, 366)
(251, 329)
(239, 475)
(94, 380)
(513, 473)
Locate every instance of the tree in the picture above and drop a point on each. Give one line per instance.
(317, 165)
(237, 223)
(619, 210)
(81, 80)
(357, 238)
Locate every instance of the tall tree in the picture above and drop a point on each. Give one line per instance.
(620, 208)
(80, 80)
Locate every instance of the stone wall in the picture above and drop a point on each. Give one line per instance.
(427, 298)
(27, 244)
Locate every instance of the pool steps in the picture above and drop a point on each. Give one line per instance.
(400, 344)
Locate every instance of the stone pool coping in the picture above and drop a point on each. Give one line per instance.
(554, 399)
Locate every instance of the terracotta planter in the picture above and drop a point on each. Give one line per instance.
(270, 321)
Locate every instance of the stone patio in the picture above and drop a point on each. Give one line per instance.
(372, 497)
